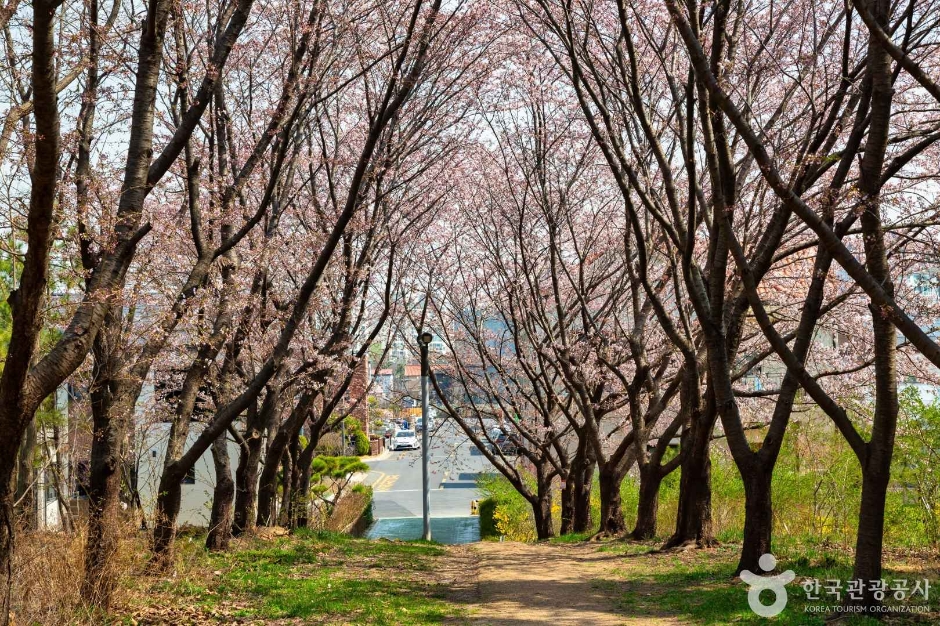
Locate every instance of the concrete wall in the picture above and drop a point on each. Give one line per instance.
(196, 504)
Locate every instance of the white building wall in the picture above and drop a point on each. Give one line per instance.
(196, 502)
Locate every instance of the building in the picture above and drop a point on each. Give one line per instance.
(383, 382)
(197, 487)
(356, 396)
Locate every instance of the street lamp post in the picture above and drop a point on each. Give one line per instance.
(424, 339)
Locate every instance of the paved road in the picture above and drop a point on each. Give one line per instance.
(396, 483)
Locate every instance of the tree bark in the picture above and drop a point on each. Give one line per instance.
(167, 509)
(26, 479)
(19, 401)
(869, 541)
(305, 460)
(220, 523)
(542, 504)
(567, 506)
(574, 489)
(694, 515)
(612, 521)
(7, 524)
(289, 481)
(290, 429)
(246, 484)
(758, 519)
(583, 484)
(249, 459)
(647, 514)
(300, 496)
(876, 464)
(576, 496)
(110, 415)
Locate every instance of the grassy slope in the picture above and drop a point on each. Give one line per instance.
(313, 578)
(327, 578)
(696, 586)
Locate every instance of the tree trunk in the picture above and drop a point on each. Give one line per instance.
(868, 543)
(259, 423)
(300, 511)
(220, 523)
(542, 506)
(647, 514)
(305, 460)
(583, 484)
(246, 483)
(576, 496)
(567, 505)
(267, 493)
(110, 418)
(167, 511)
(758, 518)
(18, 403)
(285, 435)
(26, 479)
(876, 462)
(290, 480)
(7, 450)
(611, 522)
(694, 515)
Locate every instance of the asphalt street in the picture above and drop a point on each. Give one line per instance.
(397, 496)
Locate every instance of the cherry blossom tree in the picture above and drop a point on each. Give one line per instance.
(408, 40)
(29, 377)
(876, 125)
(654, 119)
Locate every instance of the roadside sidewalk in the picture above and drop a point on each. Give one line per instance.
(379, 457)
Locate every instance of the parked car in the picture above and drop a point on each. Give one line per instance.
(503, 442)
(419, 423)
(483, 426)
(404, 440)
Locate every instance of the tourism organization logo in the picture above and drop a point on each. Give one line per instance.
(844, 594)
(776, 584)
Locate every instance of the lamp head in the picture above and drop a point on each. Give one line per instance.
(425, 338)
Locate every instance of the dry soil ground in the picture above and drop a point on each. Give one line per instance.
(509, 583)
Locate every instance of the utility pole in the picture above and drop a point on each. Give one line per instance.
(424, 339)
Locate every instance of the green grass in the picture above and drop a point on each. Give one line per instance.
(697, 586)
(320, 577)
(572, 538)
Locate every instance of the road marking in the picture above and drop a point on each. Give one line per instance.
(380, 476)
(385, 483)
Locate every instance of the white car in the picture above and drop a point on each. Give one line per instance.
(404, 440)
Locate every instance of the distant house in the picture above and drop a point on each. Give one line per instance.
(411, 386)
(384, 382)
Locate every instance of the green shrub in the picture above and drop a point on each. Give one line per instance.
(512, 514)
(487, 509)
(913, 515)
(330, 444)
(329, 479)
(361, 442)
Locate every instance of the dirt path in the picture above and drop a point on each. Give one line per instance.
(512, 583)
